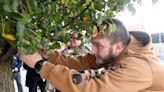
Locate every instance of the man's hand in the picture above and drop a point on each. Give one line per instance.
(16, 69)
(30, 60)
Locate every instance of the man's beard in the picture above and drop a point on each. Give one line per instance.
(108, 59)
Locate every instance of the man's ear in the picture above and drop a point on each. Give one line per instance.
(118, 48)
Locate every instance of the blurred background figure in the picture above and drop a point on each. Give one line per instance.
(16, 65)
(33, 79)
(74, 46)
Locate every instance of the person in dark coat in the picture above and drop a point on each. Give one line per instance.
(16, 65)
(33, 80)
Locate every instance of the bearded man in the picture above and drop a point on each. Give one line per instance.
(129, 62)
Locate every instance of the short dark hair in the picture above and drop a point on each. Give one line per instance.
(120, 33)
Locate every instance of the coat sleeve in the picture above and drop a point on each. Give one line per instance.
(131, 77)
(78, 63)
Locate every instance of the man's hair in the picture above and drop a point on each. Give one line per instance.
(119, 33)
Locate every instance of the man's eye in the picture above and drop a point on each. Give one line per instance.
(99, 46)
(95, 45)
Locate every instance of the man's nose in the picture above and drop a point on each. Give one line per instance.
(93, 51)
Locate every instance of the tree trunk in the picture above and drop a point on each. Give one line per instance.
(6, 80)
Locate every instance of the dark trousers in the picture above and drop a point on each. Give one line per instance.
(17, 78)
(39, 82)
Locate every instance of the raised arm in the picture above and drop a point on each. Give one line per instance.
(131, 77)
(78, 63)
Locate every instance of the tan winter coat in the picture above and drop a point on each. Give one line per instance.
(137, 69)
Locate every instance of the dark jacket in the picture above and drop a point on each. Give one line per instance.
(31, 75)
(16, 62)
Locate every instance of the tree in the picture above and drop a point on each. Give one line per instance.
(26, 24)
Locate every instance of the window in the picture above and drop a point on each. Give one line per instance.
(155, 38)
(162, 37)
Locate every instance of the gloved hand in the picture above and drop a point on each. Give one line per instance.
(15, 69)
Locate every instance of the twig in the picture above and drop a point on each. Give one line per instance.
(68, 23)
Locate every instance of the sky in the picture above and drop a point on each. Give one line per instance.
(151, 16)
